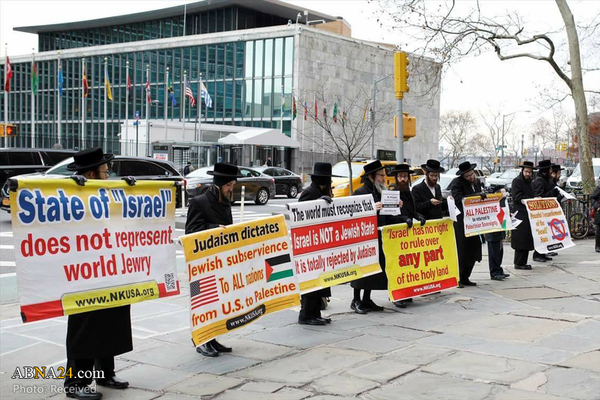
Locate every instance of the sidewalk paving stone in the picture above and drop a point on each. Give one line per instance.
(572, 383)
(373, 344)
(382, 370)
(283, 394)
(343, 385)
(261, 387)
(531, 293)
(588, 361)
(150, 377)
(204, 385)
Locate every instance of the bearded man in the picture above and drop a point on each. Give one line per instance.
(521, 239)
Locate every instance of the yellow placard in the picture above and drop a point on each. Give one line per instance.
(75, 303)
(340, 276)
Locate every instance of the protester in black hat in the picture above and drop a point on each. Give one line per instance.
(555, 174)
(428, 194)
(94, 338)
(408, 212)
(469, 248)
(320, 188)
(496, 249)
(543, 186)
(521, 239)
(212, 209)
(595, 198)
(373, 184)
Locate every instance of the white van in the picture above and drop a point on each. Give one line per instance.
(574, 181)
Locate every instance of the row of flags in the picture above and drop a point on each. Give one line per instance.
(85, 85)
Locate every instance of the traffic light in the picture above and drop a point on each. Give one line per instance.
(563, 147)
(409, 126)
(8, 130)
(401, 63)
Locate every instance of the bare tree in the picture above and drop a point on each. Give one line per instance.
(347, 130)
(452, 30)
(456, 130)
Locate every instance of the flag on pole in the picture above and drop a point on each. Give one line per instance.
(107, 83)
(205, 96)
(189, 94)
(129, 85)
(34, 78)
(171, 92)
(7, 75)
(85, 83)
(148, 96)
(305, 110)
(61, 79)
(335, 112)
(294, 110)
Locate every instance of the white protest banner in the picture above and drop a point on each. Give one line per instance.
(452, 209)
(485, 215)
(334, 243)
(390, 200)
(238, 274)
(548, 225)
(566, 195)
(84, 248)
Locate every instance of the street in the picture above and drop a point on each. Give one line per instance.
(535, 335)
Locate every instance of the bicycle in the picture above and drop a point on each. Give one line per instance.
(580, 223)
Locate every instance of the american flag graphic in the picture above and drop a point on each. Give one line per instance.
(189, 94)
(148, 96)
(203, 291)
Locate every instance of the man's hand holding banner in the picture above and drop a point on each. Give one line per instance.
(84, 248)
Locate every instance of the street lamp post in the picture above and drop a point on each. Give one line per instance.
(373, 116)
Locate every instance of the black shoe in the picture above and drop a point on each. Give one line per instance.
(552, 254)
(314, 321)
(597, 249)
(469, 283)
(505, 275)
(400, 304)
(327, 320)
(207, 350)
(498, 278)
(358, 307)
(540, 258)
(527, 267)
(369, 305)
(460, 285)
(113, 383)
(219, 347)
(84, 393)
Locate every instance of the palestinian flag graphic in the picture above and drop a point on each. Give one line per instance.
(279, 267)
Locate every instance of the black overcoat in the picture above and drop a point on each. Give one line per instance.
(206, 212)
(596, 204)
(521, 238)
(423, 196)
(313, 192)
(469, 248)
(543, 187)
(376, 281)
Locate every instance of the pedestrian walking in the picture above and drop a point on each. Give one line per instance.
(212, 209)
(428, 194)
(94, 338)
(469, 248)
(320, 188)
(521, 239)
(373, 183)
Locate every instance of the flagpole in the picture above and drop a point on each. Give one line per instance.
(58, 101)
(33, 138)
(166, 102)
(196, 122)
(82, 141)
(183, 106)
(105, 146)
(126, 105)
(5, 139)
(281, 110)
(148, 103)
(323, 129)
(312, 156)
(302, 145)
(200, 108)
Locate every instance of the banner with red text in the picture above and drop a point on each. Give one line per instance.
(421, 259)
(238, 274)
(549, 226)
(334, 243)
(84, 248)
(485, 215)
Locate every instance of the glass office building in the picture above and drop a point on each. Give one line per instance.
(245, 78)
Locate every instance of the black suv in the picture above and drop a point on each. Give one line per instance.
(142, 168)
(19, 161)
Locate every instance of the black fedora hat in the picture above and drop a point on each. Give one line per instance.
(557, 167)
(527, 164)
(465, 167)
(225, 170)
(323, 169)
(373, 166)
(88, 159)
(433, 166)
(544, 164)
(400, 168)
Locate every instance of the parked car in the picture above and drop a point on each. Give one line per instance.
(259, 187)
(286, 182)
(494, 175)
(574, 181)
(496, 184)
(444, 182)
(18, 161)
(141, 168)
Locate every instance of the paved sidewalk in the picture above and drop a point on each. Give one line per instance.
(533, 336)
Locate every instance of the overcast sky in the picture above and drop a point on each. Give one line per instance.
(478, 84)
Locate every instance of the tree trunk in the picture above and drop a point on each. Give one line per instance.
(576, 86)
(350, 175)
